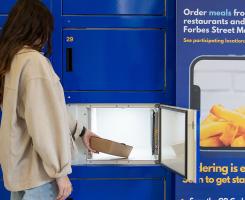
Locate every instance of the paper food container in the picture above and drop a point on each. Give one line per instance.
(110, 147)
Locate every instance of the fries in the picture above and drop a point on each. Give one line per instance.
(239, 142)
(230, 116)
(211, 142)
(241, 110)
(229, 135)
(223, 128)
(213, 129)
(210, 118)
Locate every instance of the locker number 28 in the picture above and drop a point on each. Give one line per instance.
(69, 39)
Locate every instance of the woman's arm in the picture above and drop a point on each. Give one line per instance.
(78, 130)
(46, 123)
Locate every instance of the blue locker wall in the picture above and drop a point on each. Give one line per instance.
(6, 5)
(90, 31)
(143, 189)
(4, 194)
(143, 182)
(113, 7)
(120, 65)
(114, 60)
(148, 21)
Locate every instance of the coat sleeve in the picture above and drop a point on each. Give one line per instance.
(78, 150)
(47, 125)
(75, 126)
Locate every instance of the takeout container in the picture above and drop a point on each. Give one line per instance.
(110, 147)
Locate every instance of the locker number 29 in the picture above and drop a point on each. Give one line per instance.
(69, 39)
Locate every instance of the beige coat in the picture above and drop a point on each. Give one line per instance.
(35, 140)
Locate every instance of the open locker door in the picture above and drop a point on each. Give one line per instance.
(179, 141)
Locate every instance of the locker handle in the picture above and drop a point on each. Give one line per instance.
(69, 62)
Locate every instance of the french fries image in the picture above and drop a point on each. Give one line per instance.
(210, 118)
(230, 116)
(223, 128)
(229, 135)
(211, 142)
(241, 110)
(213, 129)
(239, 142)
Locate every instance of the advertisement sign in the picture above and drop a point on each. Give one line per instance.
(211, 78)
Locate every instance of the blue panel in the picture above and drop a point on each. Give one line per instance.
(114, 59)
(167, 23)
(2, 21)
(4, 194)
(170, 185)
(6, 5)
(118, 189)
(105, 21)
(119, 97)
(1, 173)
(122, 7)
(118, 171)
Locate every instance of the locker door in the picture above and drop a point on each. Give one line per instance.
(6, 5)
(113, 59)
(113, 7)
(179, 133)
(120, 189)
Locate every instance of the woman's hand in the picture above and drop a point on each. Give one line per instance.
(86, 140)
(65, 187)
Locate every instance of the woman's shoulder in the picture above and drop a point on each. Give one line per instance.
(31, 55)
(32, 64)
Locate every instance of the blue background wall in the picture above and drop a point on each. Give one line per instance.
(114, 52)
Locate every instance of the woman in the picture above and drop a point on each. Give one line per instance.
(35, 136)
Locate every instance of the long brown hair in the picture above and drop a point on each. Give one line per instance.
(30, 24)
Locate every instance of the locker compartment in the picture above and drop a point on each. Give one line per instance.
(113, 7)
(127, 125)
(120, 189)
(159, 134)
(113, 59)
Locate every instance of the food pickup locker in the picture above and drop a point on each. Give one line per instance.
(116, 61)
